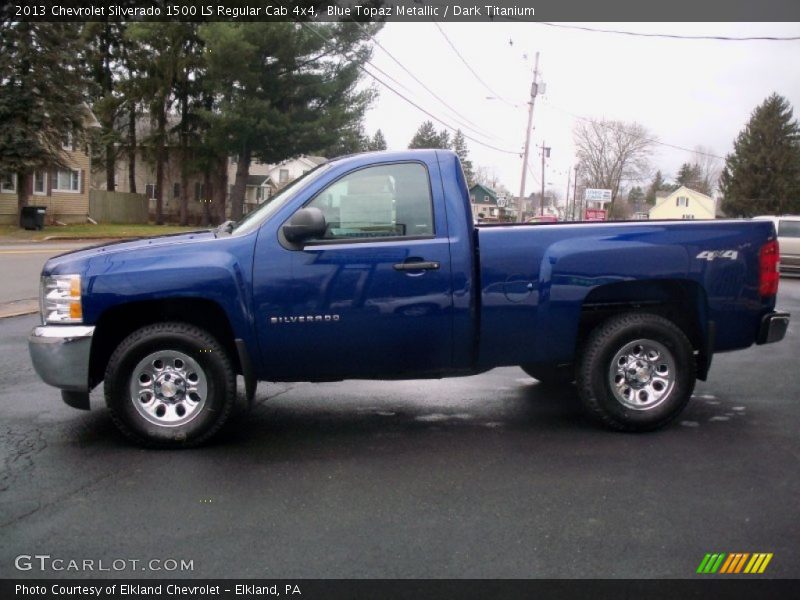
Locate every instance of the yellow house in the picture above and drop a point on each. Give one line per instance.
(63, 192)
(684, 203)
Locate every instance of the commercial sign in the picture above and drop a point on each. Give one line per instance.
(597, 195)
(595, 214)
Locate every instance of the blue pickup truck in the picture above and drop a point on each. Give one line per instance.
(371, 267)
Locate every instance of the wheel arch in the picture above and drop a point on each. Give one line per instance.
(118, 322)
(682, 301)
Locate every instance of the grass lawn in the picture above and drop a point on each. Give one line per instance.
(87, 231)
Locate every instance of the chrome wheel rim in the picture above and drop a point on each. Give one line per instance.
(642, 374)
(168, 388)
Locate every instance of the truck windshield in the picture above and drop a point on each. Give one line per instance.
(254, 220)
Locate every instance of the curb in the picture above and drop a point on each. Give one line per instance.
(18, 308)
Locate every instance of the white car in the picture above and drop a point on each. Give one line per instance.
(788, 228)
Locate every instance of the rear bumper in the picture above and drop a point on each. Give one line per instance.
(773, 327)
(60, 355)
(790, 263)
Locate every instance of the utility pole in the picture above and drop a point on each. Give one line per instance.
(534, 92)
(567, 212)
(541, 201)
(575, 195)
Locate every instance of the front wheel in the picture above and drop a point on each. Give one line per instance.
(637, 372)
(170, 385)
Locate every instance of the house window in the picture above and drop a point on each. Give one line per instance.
(67, 180)
(150, 190)
(8, 184)
(199, 191)
(688, 217)
(682, 201)
(176, 190)
(283, 176)
(69, 142)
(472, 199)
(39, 183)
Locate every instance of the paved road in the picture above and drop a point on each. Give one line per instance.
(491, 476)
(21, 263)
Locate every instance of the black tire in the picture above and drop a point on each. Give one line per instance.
(597, 381)
(554, 375)
(203, 360)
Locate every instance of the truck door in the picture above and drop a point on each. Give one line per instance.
(373, 296)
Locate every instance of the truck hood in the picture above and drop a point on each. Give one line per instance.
(68, 261)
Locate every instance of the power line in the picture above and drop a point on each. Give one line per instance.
(619, 129)
(672, 36)
(466, 121)
(411, 102)
(463, 60)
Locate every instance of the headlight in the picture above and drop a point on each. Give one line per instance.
(60, 299)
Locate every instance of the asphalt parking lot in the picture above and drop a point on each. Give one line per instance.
(493, 476)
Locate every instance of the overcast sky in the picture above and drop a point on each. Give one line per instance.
(685, 92)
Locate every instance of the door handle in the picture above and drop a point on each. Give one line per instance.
(417, 266)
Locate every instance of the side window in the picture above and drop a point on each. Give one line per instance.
(383, 201)
(788, 228)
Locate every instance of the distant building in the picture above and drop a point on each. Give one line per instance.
(63, 192)
(266, 179)
(684, 203)
(483, 201)
(199, 190)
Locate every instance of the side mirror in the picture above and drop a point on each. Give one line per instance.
(305, 224)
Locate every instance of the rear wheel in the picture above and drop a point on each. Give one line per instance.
(170, 385)
(637, 372)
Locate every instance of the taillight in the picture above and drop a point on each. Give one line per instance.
(768, 260)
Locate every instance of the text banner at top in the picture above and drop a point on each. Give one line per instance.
(403, 10)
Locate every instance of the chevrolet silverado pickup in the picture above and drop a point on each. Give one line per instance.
(370, 266)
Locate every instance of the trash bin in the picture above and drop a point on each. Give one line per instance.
(32, 217)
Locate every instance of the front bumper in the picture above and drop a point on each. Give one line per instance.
(773, 327)
(60, 355)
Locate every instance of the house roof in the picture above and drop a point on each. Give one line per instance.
(488, 191)
(310, 160)
(673, 193)
(256, 180)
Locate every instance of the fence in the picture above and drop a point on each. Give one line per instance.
(117, 207)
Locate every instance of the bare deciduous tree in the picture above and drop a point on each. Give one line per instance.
(486, 176)
(709, 167)
(612, 152)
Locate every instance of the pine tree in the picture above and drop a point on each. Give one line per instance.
(636, 199)
(658, 184)
(284, 89)
(444, 140)
(460, 148)
(425, 137)
(691, 175)
(378, 142)
(42, 95)
(762, 175)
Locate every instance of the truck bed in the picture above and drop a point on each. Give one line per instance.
(536, 280)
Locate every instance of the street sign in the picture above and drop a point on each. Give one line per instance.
(597, 195)
(595, 214)
(502, 201)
